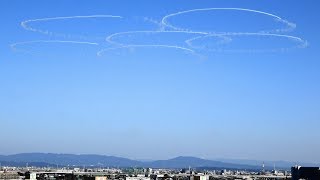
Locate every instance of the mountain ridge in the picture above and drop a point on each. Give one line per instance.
(65, 159)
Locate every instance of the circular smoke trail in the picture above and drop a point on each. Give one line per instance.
(166, 23)
(13, 46)
(301, 43)
(25, 24)
(190, 51)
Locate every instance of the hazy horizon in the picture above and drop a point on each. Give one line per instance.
(244, 161)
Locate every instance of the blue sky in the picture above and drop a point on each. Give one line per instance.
(155, 102)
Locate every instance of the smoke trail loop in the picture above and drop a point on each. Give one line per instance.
(190, 51)
(166, 23)
(13, 46)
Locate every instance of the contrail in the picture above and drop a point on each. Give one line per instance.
(226, 37)
(14, 45)
(157, 23)
(143, 46)
(290, 26)
(302, 43)
(110, 37)
(25, 23)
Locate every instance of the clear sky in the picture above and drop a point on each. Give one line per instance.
(243, 86)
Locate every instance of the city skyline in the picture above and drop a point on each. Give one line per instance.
(161, 79)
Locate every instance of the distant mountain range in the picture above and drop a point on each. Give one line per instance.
(71, 159)
(50, 159)
(185, 162)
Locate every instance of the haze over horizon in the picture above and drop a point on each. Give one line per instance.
(160, 79)
(227, 160)
(51, 159)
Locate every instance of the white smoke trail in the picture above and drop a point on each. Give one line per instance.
(13, 46)
(99, 53)
(110, 40)
(153, 21)
(302, 43)
(226, 37)
(110, 37)
(290, 26)
(26, 26)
